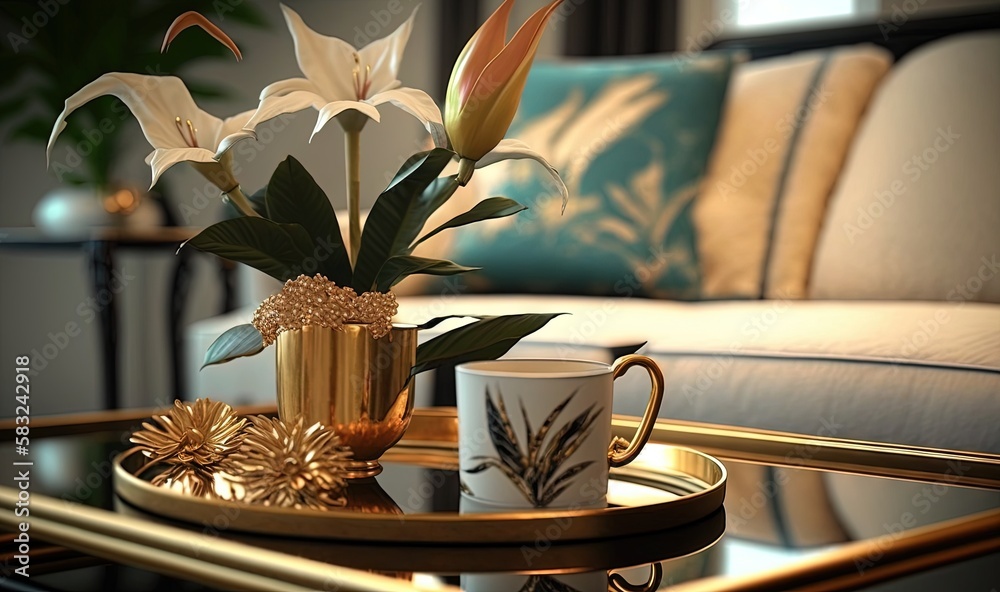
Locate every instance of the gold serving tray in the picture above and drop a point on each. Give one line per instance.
(665, 487)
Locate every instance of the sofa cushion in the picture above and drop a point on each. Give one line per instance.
(632, 138)
(905, 372)
(786, 128)
(916, 214)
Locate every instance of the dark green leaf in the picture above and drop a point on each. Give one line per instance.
(400, 213)
(488, 209)
(487, 339)
(11, 106)
(279, 250)
(240, 341)
(415, 162)
(399, 268)
(629, 349)
(438, 320)
(294, 197)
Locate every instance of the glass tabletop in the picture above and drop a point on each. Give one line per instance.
(775, 517)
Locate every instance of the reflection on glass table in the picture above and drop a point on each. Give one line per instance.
(775, 518)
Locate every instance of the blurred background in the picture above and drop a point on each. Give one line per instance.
(43, 291)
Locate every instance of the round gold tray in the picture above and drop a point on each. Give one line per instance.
(665, 487)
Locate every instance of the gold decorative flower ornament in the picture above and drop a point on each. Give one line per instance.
(193, 439)
(290, 465)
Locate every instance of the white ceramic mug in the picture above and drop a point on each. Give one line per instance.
(537, 433)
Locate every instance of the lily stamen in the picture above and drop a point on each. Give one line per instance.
(361, 85)
(191, 138)
(368, 82)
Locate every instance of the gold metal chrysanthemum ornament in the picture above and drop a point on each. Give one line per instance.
(289, 465)
(193, 439)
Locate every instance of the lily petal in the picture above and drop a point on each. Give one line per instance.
(276, 105)
(195, 19)
(331, 110)
(484, 45)
(162, 159)
(384, 56)
(284, 87)
(322, 59)
(154, 100)
(511, 149)
(420, 105)
(232, 132)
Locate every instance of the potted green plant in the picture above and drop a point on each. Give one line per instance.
(341, 360)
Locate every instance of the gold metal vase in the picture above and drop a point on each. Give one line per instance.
(348, 380)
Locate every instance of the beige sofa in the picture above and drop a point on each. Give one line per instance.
(879, 315)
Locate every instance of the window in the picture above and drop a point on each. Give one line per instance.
(768, 13)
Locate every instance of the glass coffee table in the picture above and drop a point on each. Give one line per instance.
(800, 513)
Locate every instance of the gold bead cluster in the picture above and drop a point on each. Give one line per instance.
(319, 302)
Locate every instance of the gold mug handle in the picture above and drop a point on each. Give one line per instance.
(621, 452)
(618, 583)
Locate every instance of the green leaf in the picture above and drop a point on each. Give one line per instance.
(294, 197)
(240, 341)
(279, 250)
(487, 339)
(399, 268)
(416, 161)
(400, 212)
(11, 106)
(488, 209)
(438, 320)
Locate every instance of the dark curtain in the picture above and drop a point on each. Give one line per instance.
(459, 20)
(620, 27)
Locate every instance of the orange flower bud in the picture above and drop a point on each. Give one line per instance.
(487, 81)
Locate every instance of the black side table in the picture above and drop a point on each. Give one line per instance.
(101, 246)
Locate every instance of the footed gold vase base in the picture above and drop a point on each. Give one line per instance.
(360, 469)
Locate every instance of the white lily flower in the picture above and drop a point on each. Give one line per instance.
(175, 127)
(347, 82)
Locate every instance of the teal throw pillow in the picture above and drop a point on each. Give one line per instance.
(631, 138)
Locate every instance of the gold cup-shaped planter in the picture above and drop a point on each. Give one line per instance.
(346, 379)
